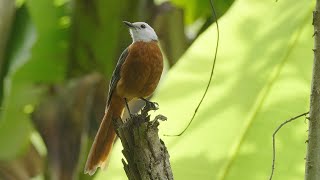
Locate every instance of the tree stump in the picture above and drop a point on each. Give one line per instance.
(146, 155)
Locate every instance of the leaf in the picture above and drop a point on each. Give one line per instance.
(37, 55)
(262, 78)
(195, 9)
(12, 124)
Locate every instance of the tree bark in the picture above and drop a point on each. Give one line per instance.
(146, 155)
(312, 167)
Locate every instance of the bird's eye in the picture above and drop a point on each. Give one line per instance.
(143, 26)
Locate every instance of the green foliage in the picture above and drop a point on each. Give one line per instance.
(195, 9)
(95, 36)
(262, 78)
(14, 123)
(38, 47)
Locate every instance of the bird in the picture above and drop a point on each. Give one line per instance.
(136, 76)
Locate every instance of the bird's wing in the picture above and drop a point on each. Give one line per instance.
(116, 74)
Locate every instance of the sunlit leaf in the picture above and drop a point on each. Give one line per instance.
(262, 78)
(195, 9)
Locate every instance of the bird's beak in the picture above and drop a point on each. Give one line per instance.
(129, 24)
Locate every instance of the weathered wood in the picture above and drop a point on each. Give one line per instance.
(146, 155)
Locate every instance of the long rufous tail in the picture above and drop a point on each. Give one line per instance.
(102, 144)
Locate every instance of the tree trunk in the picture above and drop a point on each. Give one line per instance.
(146, 155)
(313, 150)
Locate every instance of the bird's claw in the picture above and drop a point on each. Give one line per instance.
(152, 105)
(131, 115)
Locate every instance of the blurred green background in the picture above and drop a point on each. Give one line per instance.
(56, 58)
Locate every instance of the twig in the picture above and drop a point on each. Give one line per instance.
(211, 74)
(274, 139)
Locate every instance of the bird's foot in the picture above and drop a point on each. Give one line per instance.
(127, 105)
(150, 105)
(131, 115)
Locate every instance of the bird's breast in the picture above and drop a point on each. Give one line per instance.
(141, 71)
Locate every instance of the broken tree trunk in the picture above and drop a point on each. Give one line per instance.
(146, 155)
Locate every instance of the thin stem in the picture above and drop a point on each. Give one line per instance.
(274, 140)
(211, 74)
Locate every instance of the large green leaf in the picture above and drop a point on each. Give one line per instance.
(37, 54)
(14, 128)
(195, 9)
(262, 78)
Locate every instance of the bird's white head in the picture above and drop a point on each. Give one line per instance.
(141, 31)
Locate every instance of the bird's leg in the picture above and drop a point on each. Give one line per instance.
(150, 105)
(126, 101)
